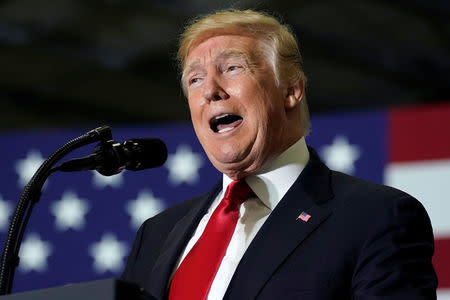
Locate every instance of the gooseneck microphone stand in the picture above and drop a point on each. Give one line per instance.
(30, 196)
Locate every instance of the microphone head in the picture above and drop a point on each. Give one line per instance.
(144, 153)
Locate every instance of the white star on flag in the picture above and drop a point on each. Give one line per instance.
(34, 253)
(69, 212)
(143, 207)
(6, 210)
(108, 254)
(341, 155)
(184, 165)
(26, 167)
(101, 181)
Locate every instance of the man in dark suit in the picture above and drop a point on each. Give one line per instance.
(288, 227)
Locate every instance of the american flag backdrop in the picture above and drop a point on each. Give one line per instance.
(84, 224)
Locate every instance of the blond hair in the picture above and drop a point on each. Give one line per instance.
(277, 42)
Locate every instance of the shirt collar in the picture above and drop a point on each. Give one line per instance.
(273, 182)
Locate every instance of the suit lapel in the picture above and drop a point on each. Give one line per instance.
(175, 243)
(283, 232)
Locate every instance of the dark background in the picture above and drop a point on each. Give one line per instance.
(66, 63)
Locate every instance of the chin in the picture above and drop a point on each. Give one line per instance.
(228, 154)
(237, 169)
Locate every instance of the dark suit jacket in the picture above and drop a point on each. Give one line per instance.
(363, 241)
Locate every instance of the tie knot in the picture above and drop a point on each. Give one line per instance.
(238, 191)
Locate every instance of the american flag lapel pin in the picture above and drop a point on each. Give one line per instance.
(304, 216)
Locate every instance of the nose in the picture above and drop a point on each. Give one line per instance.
(213, 90)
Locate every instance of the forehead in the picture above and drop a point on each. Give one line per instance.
(221, 45)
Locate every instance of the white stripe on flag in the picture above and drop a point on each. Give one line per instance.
(443, 294)
(429, 182)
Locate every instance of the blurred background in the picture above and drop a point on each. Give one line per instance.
(71, 62)
(378, 91)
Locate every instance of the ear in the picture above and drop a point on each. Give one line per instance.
(294, 94)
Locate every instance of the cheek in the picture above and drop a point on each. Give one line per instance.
(236, 90)
(272, 101)
(195, 108)
(263, 106)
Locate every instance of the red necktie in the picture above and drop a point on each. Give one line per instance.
(196, 273)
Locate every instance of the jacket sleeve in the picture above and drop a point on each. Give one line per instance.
(395, 261)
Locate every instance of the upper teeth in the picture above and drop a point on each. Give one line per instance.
(221, 116)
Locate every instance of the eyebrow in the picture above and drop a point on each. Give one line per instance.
(191, 66)
(222, 54)
(227, 53)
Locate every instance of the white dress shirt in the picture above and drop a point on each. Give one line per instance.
(269, 186)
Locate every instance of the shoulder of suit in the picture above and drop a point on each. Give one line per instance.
(368, 205)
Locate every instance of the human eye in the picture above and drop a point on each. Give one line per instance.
(194, 80)
(233, 68)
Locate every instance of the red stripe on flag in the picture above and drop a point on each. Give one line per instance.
(441, 262)
(419, 133)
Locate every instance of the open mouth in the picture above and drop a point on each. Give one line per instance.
(225, 122)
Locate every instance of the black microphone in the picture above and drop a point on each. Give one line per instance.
(111, 157)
